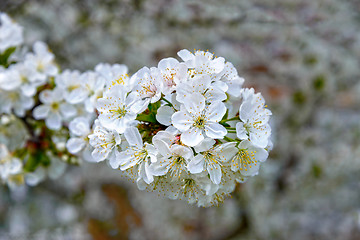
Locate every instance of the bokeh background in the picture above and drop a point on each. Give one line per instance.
(304, 56)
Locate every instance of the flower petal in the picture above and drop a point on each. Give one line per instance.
(192, 137)
(53, 121)
(41, 112)
(196, 165)
(133, 137)
(181, 120)
(215, 130)
(195, 103)
(75, 145)
(164, 114)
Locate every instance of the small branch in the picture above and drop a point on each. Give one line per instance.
(230, 119)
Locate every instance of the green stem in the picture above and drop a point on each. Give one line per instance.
(230, 128)
(168, 102)
(230, 119)
(228, 139)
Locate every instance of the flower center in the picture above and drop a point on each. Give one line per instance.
(200, 122)
(73, 87)
(120, 80)
(55, 106)
(119, 112)
(24, 79)
(40, 67)
(179, 159)
(246, 158)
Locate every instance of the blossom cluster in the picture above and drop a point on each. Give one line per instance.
(184, 129)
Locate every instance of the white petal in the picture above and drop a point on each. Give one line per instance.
(192, 137)
(196, 165)
(215, 130)
(34, 178)
(204, 145)
(215, 111)
(260, 138)
(114, 160)
(76, 96)
(53, 121)
(75, 145)
(79, 126)
(183, 151)
(46, 96)
(15, 166)
(164, 114)
(235, 86)
(182, 120)
(41, 112)
(163, 148)
(241, 131)
(133, 137)
(67, 110)
(185, 55)
(215, 173)
(159, 168)
(145, 173)
(195, 103)
(126, 159)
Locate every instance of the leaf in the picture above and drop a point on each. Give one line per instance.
(4, 57)
(146, 118)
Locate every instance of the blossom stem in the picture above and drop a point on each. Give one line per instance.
(230, 119)
(168, 102)
(230, 128)
(229, 139)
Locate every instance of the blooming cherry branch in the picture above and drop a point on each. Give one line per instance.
(173, 129)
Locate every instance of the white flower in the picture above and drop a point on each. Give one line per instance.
(118, 108)
(34, 178)
(212, 91)
(27, 76)
(172, 73)
(196, 120)
(197, 188)
(148, 83)
(254, 121)
(94, 84)
(210, 159)
(230, 76)
(202, 62)
(42, 60)
(79, 129)
(54, 110)
(11, 168)
(9, 79)
(138, 155)
(16, 101)
(105, 143)
(69, 81)
(247, 158)
(173, 160)
(116, 73)
(11, 33)
(163, 115)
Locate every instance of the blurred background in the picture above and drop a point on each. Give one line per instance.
(304, 56)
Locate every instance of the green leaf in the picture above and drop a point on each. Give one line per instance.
(226, 114)
(146, 118)
(36, 159)
(4, 57)
(153, 107)
(32, 163)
